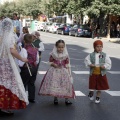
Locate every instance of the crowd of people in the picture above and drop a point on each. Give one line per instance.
(20, 56)
(114, 30)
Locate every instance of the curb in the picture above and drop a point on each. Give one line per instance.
(114, 40)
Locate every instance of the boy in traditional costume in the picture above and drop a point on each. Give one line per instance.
(29, 71)
(99, 62)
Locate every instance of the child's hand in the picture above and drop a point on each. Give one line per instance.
(55, 66)
(92, 66)
(102, 67)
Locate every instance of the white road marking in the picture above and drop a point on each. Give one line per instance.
(76, 59)
(87, 72)
(113, 93)
(71, 48)
(42, 72)
(44, 62)
(81, 72)
(114, 72)
(79, 93)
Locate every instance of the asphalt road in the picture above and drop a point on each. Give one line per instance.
(82, 108)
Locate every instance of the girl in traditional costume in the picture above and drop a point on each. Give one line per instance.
(12, 92)
(58, 80)
(99, 62)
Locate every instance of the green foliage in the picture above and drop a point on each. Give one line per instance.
(24, 7)
(104, 7)
(60, 7)
(91, 7)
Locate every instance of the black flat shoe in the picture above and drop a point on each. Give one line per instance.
(55, 101)
(6, 113)
(31, 100)
(68, 102)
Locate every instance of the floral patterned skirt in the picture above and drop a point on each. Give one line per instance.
(57, 83)
(9, 91)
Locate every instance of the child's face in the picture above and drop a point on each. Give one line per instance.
(33, 37)
(60, 47)
(24, 31)
(98, 48)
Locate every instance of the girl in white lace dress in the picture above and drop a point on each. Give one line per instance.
(58, 80)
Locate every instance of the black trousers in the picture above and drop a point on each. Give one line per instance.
(29, 81)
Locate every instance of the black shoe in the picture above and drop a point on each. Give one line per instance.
(55, 101)
(67, 102)
(31, 100)
(6, 113)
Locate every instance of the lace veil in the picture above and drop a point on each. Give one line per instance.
(7, 41)
(62, 56)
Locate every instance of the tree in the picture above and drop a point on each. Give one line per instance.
(24, 7)
(105, 7)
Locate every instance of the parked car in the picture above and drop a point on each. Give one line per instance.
(80, 30)
(54, 27)
(41, 25)
(64, 29)
(47, 26)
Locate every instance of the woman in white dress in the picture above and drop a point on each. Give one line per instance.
(12, 92)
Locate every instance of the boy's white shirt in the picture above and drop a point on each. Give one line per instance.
(23, 53)
(41, 48)
(107, 65)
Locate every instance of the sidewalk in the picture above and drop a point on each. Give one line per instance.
(114, 40)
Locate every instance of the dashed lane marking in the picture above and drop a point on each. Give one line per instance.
(76, 59)
(81, 72)
(79, 93)
(114, 72)
(113, 93)
(42, 72)
(71, 49)
(87, 72)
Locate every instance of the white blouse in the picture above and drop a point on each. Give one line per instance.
(23, 53)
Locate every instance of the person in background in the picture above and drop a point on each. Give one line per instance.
(92, 27)
(37, 43)
(118, 30)
(20, 40)
(17, 25)
(98, 30)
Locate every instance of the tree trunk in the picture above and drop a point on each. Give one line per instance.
(109, 25)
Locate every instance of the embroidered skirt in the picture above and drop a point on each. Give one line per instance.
(57, 83)
(10, 93)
